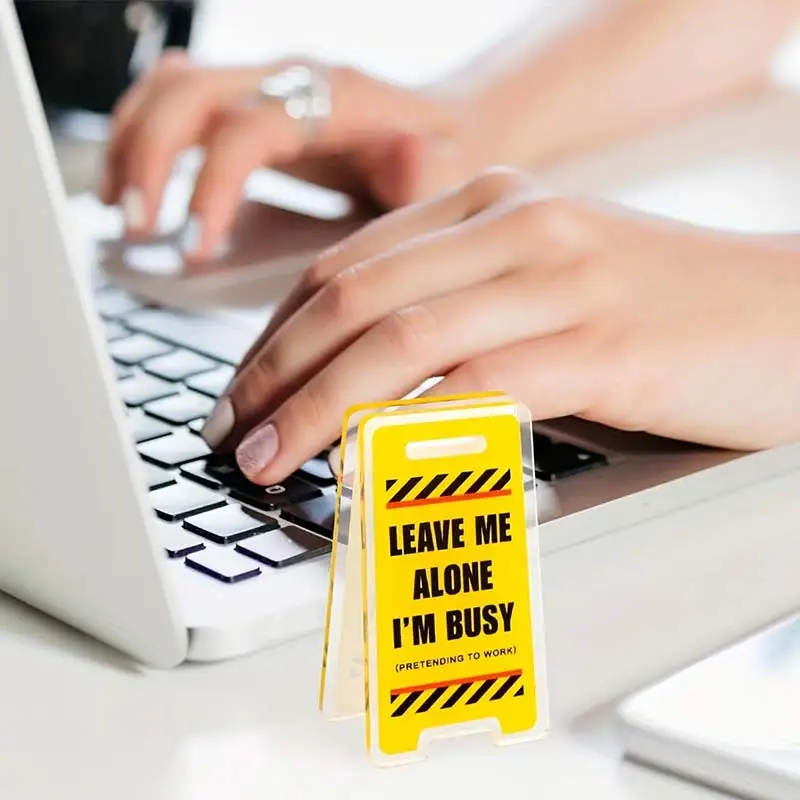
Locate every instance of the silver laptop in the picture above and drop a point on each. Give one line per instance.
(115, 517)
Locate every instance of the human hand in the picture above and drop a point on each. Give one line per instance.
(570, 307)
(388, 143)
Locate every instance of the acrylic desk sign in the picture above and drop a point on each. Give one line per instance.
(435, 624)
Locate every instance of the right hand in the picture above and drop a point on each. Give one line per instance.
(572, 307)
(391, 144)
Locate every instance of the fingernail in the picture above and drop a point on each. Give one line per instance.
(222, 249)
(219, 424)
(257, 449)
(133, 209)
(192, 240)
(192, 235)
(335, 459)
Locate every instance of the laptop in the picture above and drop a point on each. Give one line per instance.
(731, 721)
(116, 518)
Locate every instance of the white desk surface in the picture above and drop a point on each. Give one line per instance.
(78, 721)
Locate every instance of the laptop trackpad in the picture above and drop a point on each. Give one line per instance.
(279, 229)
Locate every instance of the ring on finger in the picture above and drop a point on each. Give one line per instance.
(304, 92)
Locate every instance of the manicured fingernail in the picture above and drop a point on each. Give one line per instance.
(335, 459)
(219, 424)
(192, 240)
(192, 235)
(222, 249)
(133, 209)
(257, 449)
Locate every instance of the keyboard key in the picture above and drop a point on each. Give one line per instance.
(174, 450)
(283, 547)
(201, 334)
(223, 564)
(316, 515)
(528, 479)
(183, 499)
(268, 498)
(212, 383)
(228, 524)
(178, 542)
(135, 349)
(196, 426)
(140, 389)
(158, 478)
(112, 303)
(114, 331)
(560, 460)
(178, 365)
(180, 409)
(122, 372)
(223, 471)
(318, 472)
(196, 471)
(147, 428)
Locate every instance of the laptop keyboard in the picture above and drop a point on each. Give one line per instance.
(171, 368)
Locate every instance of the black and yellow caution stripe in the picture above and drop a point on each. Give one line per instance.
(466, 691)
(449, 488)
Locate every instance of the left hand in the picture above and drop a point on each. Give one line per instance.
(572, 308)
(382, 142)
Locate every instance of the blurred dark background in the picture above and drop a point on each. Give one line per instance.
(85, 53)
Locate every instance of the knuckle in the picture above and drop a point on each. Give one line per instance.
(341, 295)
(479, 375)
(315, 276)
(345, 76)
(319, 272)
(227, 119)
(410, 331)
(554, 228)
(309, 409)
(260, 378)
(553, 217)
(494, 184)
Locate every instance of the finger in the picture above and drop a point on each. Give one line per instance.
(388, 231)
(171, 62)
(554, 376)
(396, 355)
(339, 466)
(176, 116)
(123, 115)
(358, 298)
(172, 122)
(245, 138)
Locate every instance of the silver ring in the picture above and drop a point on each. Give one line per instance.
(304, 92)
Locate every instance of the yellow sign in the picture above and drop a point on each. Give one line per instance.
(452, 631)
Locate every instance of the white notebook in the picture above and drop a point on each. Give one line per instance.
(731, 721)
